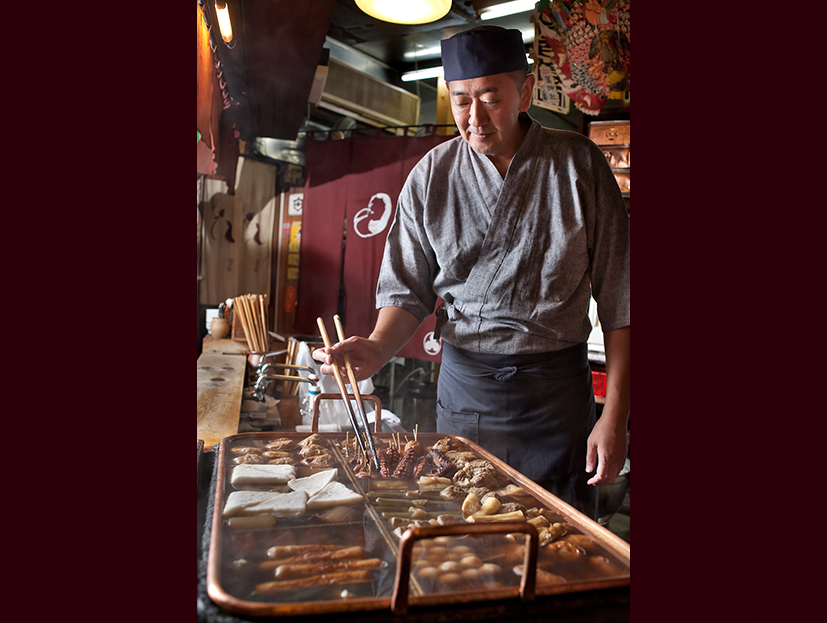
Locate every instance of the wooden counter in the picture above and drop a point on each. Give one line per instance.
(220, 389)
(224, 346)
(228, 346)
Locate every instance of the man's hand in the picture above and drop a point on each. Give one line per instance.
(365, 357)
(394, 328)
(607, 446)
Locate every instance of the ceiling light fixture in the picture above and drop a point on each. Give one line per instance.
(423, 74)
(424, 52)
(506, 8)
(222, 12)
(406, 11)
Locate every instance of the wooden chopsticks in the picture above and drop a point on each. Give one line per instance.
(252, 310)
(290, 388)
(343, 390)
(355, 386)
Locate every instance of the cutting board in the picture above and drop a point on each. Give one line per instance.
(220, 388)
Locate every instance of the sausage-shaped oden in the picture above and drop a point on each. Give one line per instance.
(284, 572)
(346, 553)
(344, 577)
(280, 551)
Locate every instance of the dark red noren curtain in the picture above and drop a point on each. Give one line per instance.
(350, 194)
(327, 164)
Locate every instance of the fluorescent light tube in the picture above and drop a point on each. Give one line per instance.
(423, 52)
(422, 74)
(434, 72)
(507, 8)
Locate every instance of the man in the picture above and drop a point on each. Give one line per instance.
(513, 226)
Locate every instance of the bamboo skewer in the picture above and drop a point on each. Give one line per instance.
(354, 385)
(343, 390)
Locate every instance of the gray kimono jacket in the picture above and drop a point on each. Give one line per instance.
(514, 260)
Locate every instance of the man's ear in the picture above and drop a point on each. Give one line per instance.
(528, 90)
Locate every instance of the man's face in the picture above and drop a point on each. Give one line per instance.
(485, 110)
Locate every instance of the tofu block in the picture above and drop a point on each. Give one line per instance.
(254, 474)
(315, 482)
(333, 494)
(253, 503)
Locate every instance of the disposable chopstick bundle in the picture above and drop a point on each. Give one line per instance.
(238, 308)
(253, 321)
(245, 304)
(252, 311)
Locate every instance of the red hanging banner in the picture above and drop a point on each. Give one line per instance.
(366, 197)
(323, 218)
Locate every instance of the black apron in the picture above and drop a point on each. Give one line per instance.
(534, 412)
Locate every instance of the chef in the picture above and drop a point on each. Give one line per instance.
(512, 226)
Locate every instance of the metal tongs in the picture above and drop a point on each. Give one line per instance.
(354, 385)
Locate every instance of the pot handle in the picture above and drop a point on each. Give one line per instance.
(399, 599)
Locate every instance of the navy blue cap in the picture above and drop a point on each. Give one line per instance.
(483, 51)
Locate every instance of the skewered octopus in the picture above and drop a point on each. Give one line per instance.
(404, 469)
(419, 466)
(388, 460)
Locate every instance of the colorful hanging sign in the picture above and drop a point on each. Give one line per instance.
(584, 47)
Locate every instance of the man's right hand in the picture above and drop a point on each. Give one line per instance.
(364, 354)
(394, 328)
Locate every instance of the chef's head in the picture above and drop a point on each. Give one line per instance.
(486, 72)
